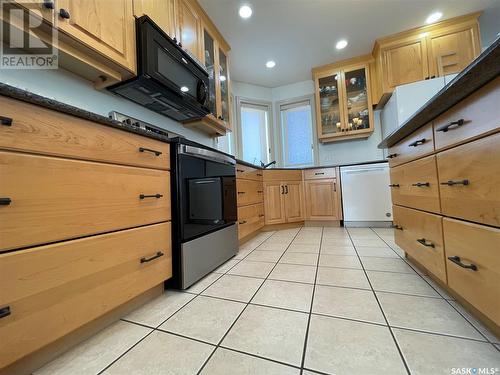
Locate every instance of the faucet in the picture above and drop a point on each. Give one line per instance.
(265, 166)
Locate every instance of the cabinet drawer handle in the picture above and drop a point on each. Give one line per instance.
(398, 227)
(394, 185)
(64, 14)
(451, 183)
(4, 311)
(157, 196)
(143, 149)
(282, 189)
(6, 121)
(335, 187)
(5, 201)
(391, 156)
(417, 142)
(286, 189)
(456, 259)
(240, 170)
(260, 191)
(146, 260)
(261, 215)
(259, 174)
(319, 173)
(241, 192)
(421, 184)
(451, 125)
(424, 242)
(242, 222)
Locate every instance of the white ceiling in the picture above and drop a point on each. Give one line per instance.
(301, 34)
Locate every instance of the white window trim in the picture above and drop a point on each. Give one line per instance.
(238, 141)
(279, 129)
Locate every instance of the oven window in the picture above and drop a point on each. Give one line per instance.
(205, 201)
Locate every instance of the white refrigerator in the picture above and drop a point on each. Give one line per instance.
(366, 196)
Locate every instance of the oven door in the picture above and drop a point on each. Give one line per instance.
(208, 195)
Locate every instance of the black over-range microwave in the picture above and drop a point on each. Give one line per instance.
(169, 81)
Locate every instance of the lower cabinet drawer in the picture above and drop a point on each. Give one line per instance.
(52, 290)
(417, 144)
(249, 192)
(415, 185)
(248, 173)
(54, 199)
(250, 219)
(421, 235)
(473, 263)
(470, 181)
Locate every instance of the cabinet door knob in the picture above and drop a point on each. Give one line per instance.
(456, 259)
(64, 14)
(156, 256)
(417, 142)
(143, 149)
(391, 156)
(424, 242)
(451, 183)
(157, 196)
(4, 311)
(242, 222)
(6, 121)
(398, 227)
(241, 192)
(48, 4)
(394, 185)
(451, 125)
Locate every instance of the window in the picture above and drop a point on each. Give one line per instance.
(297, 133)
(253, 132)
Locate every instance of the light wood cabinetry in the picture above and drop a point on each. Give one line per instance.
(416, 145)
(425, 52)
(249, 191)
(319, 173)
(104, 26)
(54, 289)
(294, 201)
(283, 198)
(250, 219)
(458, 243)
(84, 227)
(473, 264)
(188, 23)
(250, 198)
(421, 235)
(415, 185)
(274, 203)
(322, 200)
(160, 11)
(343, 100)
(469, 188)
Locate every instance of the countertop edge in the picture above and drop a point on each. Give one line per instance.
(245, 163)
(481, 71)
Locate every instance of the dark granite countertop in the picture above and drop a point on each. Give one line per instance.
(29, 97)
(482, 70)
(242, 162)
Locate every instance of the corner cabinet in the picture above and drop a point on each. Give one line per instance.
(343, 102)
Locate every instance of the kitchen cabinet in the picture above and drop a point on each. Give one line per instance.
(322, 198)
(283, 202)
(436, 50)
(160, 11)
(188, 22)
(104, 26)
(343, 100)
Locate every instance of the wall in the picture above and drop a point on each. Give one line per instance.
(489, 25)
(69, 88)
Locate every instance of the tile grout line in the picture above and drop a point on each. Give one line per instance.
(447, 301)
(380, 307)
(243, 310)
(302, 363)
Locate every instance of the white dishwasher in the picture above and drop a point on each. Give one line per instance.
(366, 196)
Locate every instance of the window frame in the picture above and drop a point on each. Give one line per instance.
(268, 106)
(280, 131)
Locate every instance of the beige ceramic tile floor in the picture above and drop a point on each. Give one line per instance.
(296, 301)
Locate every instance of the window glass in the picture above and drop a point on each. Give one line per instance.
(297, 134)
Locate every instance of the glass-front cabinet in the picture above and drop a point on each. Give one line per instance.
(343, 102)
(215, 58)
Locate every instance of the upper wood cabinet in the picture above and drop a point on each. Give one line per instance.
(430, 51)
(104, 26)
(189, 30)
(160, 11)
(343, 100)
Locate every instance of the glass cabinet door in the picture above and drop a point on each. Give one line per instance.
(329, 104)
(358, 110)
(210, 65)
(224, 86)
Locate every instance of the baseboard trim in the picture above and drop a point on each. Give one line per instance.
(322, 223)
(271, 227)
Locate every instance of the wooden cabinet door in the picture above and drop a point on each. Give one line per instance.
(451, 52)
(160, 11)
(404, 63)
(104, 26)
(274, 203)
(294, 200)
(189, 30)
(321, 200)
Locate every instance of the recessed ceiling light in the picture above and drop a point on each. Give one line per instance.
(184, 89)
(245, 11)
(434, 17)
(270, 64)
(341, 44)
